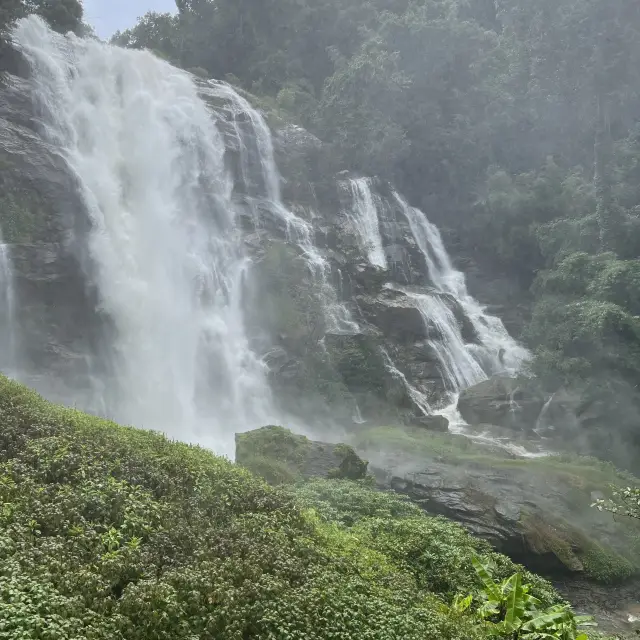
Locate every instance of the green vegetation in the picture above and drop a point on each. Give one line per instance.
(511, 610)
(62, 15)
(351, 467)
(576, 550)
(273, 453)
(624, 502)
(281, 457)
(111, 532)
(580, 472)
(562, 531)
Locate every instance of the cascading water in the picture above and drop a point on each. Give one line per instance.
(496, 350)
(166, 251)
(254, 141)
(461, 363)
(8, 347)
(364, 216)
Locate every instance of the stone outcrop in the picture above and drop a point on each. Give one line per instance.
(281, 456)
(535, 511)
(515, 403)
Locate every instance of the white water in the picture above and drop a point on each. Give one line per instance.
(493, 337)
(169, 267)
(299, 231)
(8, 347)
(419, 398)
(462, 364)
(364, 216)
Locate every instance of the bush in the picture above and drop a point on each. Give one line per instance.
(108, 532)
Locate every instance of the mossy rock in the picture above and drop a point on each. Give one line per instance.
(282, 457)
(352, 466)
(576, 551)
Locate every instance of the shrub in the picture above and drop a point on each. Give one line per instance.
(108, 532)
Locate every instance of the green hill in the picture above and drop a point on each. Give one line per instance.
(112, 532)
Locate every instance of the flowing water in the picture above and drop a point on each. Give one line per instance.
(8, 345)
(262, 189)
(364, 216)
(167, 255)
(462, 363)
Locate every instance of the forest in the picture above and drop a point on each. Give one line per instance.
(514, 124)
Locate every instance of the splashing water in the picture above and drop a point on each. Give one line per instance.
(167, 257)
(497, 351)
(255, 140)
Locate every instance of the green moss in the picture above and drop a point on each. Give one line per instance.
(543, 537)
(275, 447)
(358, 362)
(606, 565)
(275, 472)
(352, 466)
(576, 550)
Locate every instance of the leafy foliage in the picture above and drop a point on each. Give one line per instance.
(109, 532)
(625, 502)
(62, 15)
(513, 612)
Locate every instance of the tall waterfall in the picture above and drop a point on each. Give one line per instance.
(167, 254)
(8, 345)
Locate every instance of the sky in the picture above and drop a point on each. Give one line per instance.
(109, 16)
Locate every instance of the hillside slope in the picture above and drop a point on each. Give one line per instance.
(110, 532)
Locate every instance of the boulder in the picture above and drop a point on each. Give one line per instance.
(515, 403)
(431, 423)
(534, 510)
(280, 456)
(397, 316)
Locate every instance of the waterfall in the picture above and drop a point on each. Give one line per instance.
(166, 251)
(463, 364)
(364, 216)
(254, 142)
(8, 347)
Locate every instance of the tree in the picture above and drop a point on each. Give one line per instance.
(62, 15)
(625, 502)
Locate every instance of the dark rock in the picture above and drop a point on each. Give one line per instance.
(507, 402)
(396, 315)
(431, 423)
(537, 514)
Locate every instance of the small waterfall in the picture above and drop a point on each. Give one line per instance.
(419, 399)
(497, 351)
(8, 346)
(167, 256)
(364, 216)
(255, 142)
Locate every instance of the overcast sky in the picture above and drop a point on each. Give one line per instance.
(107, 16)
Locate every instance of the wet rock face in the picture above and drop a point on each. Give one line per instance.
(537, 514)
(502, 401)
